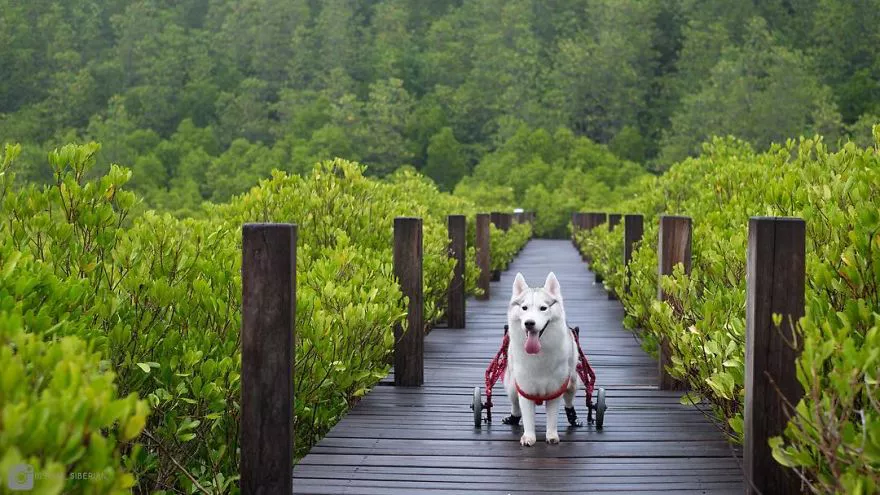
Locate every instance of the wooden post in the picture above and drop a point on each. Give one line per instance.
(613, 221)
(268, 313)
(506, 220)
(633, 228)
(579, 222)
(673, 248)
(495, 218)
(409, 367)
(483, 260)
(775, 285)
(455, 314)
(594, 220)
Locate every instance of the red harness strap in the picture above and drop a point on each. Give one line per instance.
(539, 399)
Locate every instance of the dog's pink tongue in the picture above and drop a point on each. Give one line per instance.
(533, 344)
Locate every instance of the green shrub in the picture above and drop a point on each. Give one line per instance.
(834, 440)
(158, 298)
(504, 245)
(61, 415)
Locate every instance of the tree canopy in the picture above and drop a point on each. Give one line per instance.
(171, 88)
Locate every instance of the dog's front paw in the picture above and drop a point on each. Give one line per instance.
(527, 440)
(553, 438)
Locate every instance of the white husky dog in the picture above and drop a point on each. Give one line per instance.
(542, 358)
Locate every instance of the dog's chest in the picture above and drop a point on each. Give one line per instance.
(546, 371)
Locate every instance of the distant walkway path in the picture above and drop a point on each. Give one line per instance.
(422, 440)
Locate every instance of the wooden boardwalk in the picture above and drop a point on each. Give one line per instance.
(422, 440)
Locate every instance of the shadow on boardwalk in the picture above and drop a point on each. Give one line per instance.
(399, 440)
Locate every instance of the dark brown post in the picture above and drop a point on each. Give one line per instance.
(775, 285)
(268, 312)
(674, 248)
(579, 222)
(483, 260)
(594, 220)
(613, 221)
(409, 343)
(495, 218)
(455, 314)
(633, 228)
(506, 219)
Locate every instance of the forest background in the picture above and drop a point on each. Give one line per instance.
(514, 102)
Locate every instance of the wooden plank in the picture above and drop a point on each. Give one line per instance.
(512, 448)
(553, 485)
(478, 474)
(483, 257)
(775, 274)
(456, 306)
(352, 487)
(409, 355)
(674, 248)
(267, 335)
(460, 461)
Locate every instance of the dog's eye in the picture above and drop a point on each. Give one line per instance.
(525, 308)
(543, 308)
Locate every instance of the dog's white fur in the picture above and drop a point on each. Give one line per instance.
(542, 373)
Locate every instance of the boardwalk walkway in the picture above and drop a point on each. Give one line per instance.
(422, 440)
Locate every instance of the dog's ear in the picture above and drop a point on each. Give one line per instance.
(552, 286)
(519, 285)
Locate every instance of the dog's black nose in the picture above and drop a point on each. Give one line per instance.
(530, 324)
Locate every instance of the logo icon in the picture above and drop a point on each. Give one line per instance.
(21, 477)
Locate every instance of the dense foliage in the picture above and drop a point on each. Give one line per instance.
(504, 246)
(552, 175)
(202, 98)
(61, 413)
(155, 301)
(833, 440)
